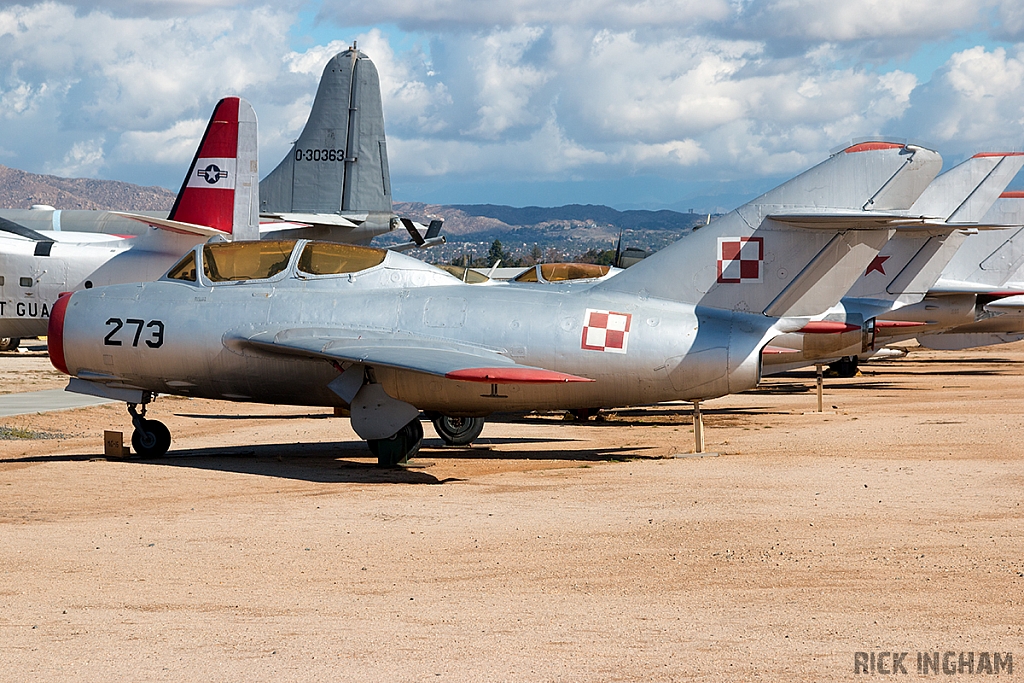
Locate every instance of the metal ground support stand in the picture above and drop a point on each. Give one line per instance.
(698, 428)
(821, 384)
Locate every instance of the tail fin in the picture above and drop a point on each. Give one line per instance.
(966, 192)
(910, 264)
(221, 189)
(991, 258)
(797, 249)
(340, 161)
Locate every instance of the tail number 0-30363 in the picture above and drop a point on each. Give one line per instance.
(154, 330)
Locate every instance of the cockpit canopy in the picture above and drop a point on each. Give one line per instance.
(562, 272)
(259, 260)
(235, 261)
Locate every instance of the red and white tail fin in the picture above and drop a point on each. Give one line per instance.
(221, 189)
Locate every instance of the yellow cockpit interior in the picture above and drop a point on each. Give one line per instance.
(330, 258)
(561, 272)
(236, 261)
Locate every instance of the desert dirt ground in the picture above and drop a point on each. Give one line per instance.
(266, 545)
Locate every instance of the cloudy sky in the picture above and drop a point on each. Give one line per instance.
(682, 103)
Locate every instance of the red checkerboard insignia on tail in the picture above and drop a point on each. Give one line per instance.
(740, 259)
(606, 331)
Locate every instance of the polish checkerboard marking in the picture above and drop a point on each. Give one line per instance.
(606, 331)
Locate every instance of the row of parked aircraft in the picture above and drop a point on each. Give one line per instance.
(868, 247)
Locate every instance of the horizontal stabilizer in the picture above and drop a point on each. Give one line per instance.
(947, 286)
(863, 220)
(179, 227)
(430, 356)
(406, 246)
(428, 238)
(958, 342)
(21, 231)
(348, 220)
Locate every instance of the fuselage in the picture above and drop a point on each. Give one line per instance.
(189, 338)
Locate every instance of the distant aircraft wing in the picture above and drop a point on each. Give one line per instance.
(174, 226)
(284, 221)
(430, 356)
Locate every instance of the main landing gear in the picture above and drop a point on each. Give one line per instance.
(151, 438)
(9, 343)
(458, 431)
(397, 449)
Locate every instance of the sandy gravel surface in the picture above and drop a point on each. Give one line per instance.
(266, 546)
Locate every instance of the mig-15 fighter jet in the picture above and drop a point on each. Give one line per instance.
(988, 273)
(389, 337)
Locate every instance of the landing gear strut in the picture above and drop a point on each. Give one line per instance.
(151, 438)
(397, 449)
(458, 431)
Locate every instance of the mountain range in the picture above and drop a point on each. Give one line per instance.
(567, 230)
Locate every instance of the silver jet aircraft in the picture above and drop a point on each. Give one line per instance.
(387, 336)
(987, 272)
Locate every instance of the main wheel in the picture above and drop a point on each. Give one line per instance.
(152, 440)
(397, 449)
(458, 431)
(9, 343)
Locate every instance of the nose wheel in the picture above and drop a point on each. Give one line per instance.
(151, 438)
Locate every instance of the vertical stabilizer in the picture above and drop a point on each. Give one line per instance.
(993, 257)
(221, 188)
(340, 162)
(966, 192)
(912, 261)
(797, 249)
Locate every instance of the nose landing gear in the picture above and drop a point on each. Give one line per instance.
(151, 438)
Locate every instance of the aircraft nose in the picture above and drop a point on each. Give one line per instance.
(55, 333)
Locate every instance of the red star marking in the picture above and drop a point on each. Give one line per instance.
(876, 264)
